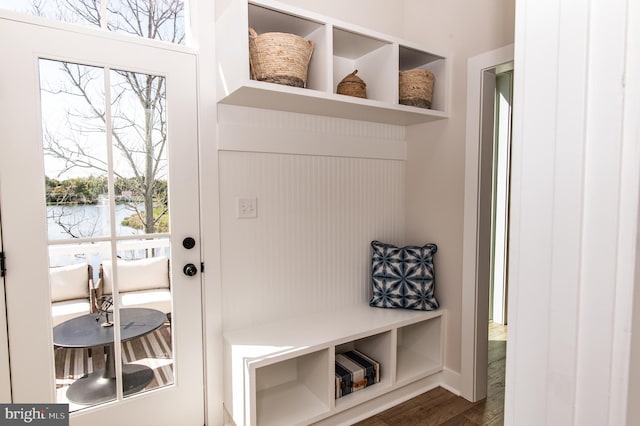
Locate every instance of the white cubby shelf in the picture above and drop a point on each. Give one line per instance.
(283, 373)
(340, 48)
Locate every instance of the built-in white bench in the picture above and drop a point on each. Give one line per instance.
(282, 373)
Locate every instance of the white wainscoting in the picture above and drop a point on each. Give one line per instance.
(325, 188)
(308, 249)
(262, 130)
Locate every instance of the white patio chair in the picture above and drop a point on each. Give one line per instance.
(72, 291)
(143, 283)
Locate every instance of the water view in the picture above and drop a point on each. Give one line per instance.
(87, 220)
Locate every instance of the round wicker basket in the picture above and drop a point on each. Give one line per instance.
(416, 88)
(352, 85)
(279, 58)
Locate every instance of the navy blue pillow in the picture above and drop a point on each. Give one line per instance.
(403, 277)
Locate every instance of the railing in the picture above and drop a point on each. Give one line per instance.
(95, 253)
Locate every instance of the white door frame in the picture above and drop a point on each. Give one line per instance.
(475, 294)
(203, 15)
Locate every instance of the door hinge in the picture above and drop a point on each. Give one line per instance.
(201, 267)
(3, 270)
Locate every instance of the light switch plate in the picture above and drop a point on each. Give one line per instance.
(246, 207)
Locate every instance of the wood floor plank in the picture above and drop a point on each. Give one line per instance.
(375, 421)
(459, 420)
(404, 411)
(429, 414)
(486, 411)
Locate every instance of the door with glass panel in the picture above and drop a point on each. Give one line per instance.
(99, 188)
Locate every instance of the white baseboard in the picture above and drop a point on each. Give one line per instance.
(451, 380)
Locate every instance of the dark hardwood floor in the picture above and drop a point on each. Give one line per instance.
(441, 407)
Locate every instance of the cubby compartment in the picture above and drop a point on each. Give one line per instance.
(410, 58)
(419, 350)
(378, 347)
(373, 58)
(293, 390)
(265, 20)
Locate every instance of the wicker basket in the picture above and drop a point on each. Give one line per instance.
(279, 58)
(416, 88)
(352, 85)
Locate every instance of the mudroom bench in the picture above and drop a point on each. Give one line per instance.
(283, 373)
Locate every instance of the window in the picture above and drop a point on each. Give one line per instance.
(158, 19)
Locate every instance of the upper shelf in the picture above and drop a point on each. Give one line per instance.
(340, 48)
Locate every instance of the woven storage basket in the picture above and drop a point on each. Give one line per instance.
(279, 58)
(416, 87)
(352, 85)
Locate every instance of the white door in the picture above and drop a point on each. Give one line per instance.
(112, 125)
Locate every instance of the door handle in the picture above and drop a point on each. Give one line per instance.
(190, 269)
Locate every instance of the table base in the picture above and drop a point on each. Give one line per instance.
(94, 388)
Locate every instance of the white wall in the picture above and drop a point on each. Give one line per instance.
(576, 180)
(436, 151)
(631, 133)
(308, 249)
(381, 15)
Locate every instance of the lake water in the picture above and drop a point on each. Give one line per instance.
(86, 221)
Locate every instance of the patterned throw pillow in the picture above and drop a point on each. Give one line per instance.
(402, 277)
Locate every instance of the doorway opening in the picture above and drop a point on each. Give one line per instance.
(485, 290)
(498, 285)
(498, 274)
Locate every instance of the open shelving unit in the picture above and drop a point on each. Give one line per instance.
(282, 373)
(340, 48)
(290, 391)
(417, 356)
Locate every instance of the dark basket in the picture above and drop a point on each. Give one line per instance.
(352, 85)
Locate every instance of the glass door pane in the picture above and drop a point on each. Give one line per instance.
(104, 138)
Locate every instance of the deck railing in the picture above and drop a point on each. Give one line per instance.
(95, 253)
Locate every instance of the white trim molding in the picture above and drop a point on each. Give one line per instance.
(450, 380)
(475, 317)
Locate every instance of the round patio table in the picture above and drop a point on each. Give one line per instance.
(86, 331)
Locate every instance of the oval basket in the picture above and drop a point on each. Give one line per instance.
(416, 88)
(280, 58)
(352, 85)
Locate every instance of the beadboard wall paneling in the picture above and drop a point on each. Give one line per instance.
(261, 130)
(308, 249)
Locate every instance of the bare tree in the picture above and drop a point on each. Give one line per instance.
(138, 117)
(154, 19)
